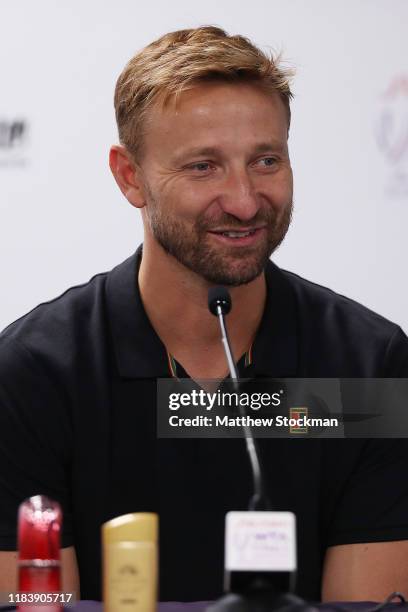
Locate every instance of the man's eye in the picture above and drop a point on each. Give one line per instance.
(268, 162)
(200, 166)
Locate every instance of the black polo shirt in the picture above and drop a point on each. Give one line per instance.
(78, 423)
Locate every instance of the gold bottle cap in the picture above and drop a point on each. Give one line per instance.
(135, 527)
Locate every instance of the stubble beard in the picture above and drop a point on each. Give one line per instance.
(218, 264)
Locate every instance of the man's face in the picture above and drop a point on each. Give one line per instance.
(218, 180)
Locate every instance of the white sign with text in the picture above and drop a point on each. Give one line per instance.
(260, 541)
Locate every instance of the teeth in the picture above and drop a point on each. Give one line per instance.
(237, 234)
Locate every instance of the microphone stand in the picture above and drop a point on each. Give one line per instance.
(259, 500)
(258, 593)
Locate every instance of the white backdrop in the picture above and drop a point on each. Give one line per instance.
(62, 218)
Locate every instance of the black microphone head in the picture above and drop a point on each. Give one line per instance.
(219, 296)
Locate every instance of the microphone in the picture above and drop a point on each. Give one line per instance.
(259, 587)
(219, 304)
(219, 298)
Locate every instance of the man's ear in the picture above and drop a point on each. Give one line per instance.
(127, 175)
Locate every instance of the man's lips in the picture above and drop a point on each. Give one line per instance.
(243, 236)
(240, 230)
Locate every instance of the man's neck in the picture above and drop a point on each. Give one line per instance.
(175, 301)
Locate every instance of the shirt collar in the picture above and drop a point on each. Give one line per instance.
(275, 349)
(140, 353)
(138, 349)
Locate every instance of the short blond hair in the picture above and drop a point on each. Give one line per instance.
(180, 60)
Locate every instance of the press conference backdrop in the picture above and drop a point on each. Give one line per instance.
(62, 217)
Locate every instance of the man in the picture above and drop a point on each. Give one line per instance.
(203, 122)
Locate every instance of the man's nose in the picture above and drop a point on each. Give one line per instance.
(238, 196)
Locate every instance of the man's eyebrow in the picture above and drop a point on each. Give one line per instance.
(272, 145)
(261, 147)
(195, 152)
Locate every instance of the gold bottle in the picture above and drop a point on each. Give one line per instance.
(130, 563)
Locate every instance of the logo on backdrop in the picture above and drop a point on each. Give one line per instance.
(13, 142)
(392, 135)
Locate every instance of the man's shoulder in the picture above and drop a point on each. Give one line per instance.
(344, 331)
(68, 305)
(68, 331)
(325, 304)
(54, 329)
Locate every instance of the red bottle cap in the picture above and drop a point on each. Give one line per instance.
(39, 529)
